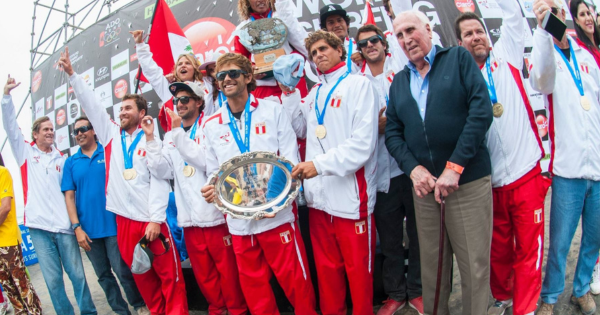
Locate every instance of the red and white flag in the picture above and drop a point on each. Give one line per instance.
(336, 101)
(368, 17)
(141, 152)
(261, 128)
(286, 237)
(227, 240)
(167, 41)
(360, 227)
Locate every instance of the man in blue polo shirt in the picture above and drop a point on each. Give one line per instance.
(83, 183)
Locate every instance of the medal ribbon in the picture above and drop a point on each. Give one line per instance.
(268, 16)
(244, 146)
(575, 74)
(321, 115)
(128, 153)
(221, 98)
(193, 130)
(490, 82)
(348, 59)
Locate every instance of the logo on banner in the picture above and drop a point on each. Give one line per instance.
(537, 216)
(74, 110)
(227, 240)
(209, 35)
(48, 103)
(465, 5)
(111, 32)
(360, 227)
(542, 124)
(286, 237)
(141, 152)
(36, 82)
(120, 88)
(261, 128)
(102, 74)
(61, 117)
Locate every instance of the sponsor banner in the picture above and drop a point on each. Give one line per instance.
(29, 254)
(62, 138)
(39, 108)
(104, 94)
(73, 111)
(119, 64)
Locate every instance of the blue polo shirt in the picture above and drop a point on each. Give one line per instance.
(87, 177)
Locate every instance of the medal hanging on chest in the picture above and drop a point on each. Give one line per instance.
(321, 131)
(584, 101)
(188, 170)
(129, 173)
(497, 107)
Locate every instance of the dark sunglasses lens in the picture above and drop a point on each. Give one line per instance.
(83, 129)
(363, 43)
(233, 74)
(184, 100)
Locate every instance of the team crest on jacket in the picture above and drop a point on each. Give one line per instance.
(58, 168)
(585, 68)
(537, 216)
(261, 128)
(227, 240)
(390, 76)
(360, 227)
(286, 237)
(141, 152)
(336, 101)
(36, 159)
(225, 138)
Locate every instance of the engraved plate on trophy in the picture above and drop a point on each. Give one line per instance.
(264, 38)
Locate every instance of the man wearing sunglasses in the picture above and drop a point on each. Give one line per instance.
(83, 184)
(180, 157)
(273, 244)
(569, 79)
(518, 187)
(135, 194)
(338, 119)
(394, 196)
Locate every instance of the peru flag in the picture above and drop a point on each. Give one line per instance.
(261, 128)
(368, 17)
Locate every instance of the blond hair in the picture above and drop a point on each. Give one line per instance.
(244, 9)
(195, 63)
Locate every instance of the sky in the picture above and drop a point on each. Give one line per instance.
(15, 35)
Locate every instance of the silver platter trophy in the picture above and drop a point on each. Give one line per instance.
(264, 38)
(253, 184)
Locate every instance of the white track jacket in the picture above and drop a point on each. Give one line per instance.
(41, 175)
(144, 198)
(271, 131)
(347, 160)
(574, 131)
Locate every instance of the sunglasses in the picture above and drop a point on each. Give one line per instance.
(82, 129)
(183, 100)
(233, 74)
(373, 40)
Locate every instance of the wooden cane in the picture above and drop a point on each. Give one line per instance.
(440, 255)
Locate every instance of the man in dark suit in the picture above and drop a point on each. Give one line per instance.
(437, 119)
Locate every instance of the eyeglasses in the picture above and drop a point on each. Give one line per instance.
(184, 100)
(82, 129)
(233, 74)
(373, 40)
(554, 10)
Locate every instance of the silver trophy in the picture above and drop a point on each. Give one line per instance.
(253, 184)
(264, 38)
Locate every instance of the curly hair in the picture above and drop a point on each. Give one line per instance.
(244, 9)
(373, 28)
(195, 63)
(242, 62)
(330, 38)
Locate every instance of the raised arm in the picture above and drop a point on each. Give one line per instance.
(151, 70)
(159, 161)
(9, 120)
(511, 44)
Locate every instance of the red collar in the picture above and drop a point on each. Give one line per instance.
(334, 68)
(259, 16)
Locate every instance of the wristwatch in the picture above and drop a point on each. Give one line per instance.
(75, 226)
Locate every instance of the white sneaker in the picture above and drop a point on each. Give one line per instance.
(595, 283)
(499, 307)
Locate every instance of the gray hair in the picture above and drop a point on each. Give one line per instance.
(416, 13)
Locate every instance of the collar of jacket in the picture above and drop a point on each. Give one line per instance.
(438, 51)
(334, 73)
(225, 116)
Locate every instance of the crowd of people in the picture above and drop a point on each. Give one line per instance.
(408, 134)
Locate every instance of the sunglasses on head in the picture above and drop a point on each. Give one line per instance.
(82, 129)
(373, 40)
(233, 74)
(183, 100)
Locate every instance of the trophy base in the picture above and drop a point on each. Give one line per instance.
(264, 61)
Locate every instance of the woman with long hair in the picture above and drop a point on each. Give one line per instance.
(588, 35)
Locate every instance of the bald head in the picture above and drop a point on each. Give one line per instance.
(414, 35)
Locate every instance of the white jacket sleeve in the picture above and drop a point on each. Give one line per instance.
(153, 72)
(190, 151)
(99, 118)
(288, 146)
(542, 75)
(159, 161)
(13, 132)
(158, 199)
(296, 33)
(293, 106)
(212, 162)
(511, 44)
(354, 152)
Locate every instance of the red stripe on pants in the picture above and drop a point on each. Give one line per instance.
(281, 251)
(213, 263)
(518, 244)
(162, 287)
(343, 248)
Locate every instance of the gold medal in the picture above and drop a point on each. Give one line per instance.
(189, 171)
(129, 174)
(321, 131)
(498, 109)
(585, 103)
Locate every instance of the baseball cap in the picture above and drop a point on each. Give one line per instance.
(332, 9)
(143, 256)
(288, 69)
(211, 61)
(192, 87)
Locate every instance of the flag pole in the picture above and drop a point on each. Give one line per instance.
(139, 74)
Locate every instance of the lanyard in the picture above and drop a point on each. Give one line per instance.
(244, 146)
(268, 16)
(490, 84)
(128, 153)
(575, 74)
(348, 58)
(194, 128)
(221, 98)
(321, 115)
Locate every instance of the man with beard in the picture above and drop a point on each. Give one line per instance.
(180, 157)
(83, 184)
(135, 195)
(394, 196)
(45, 209)
(518, 187)
(272, 245)
(340, 180)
